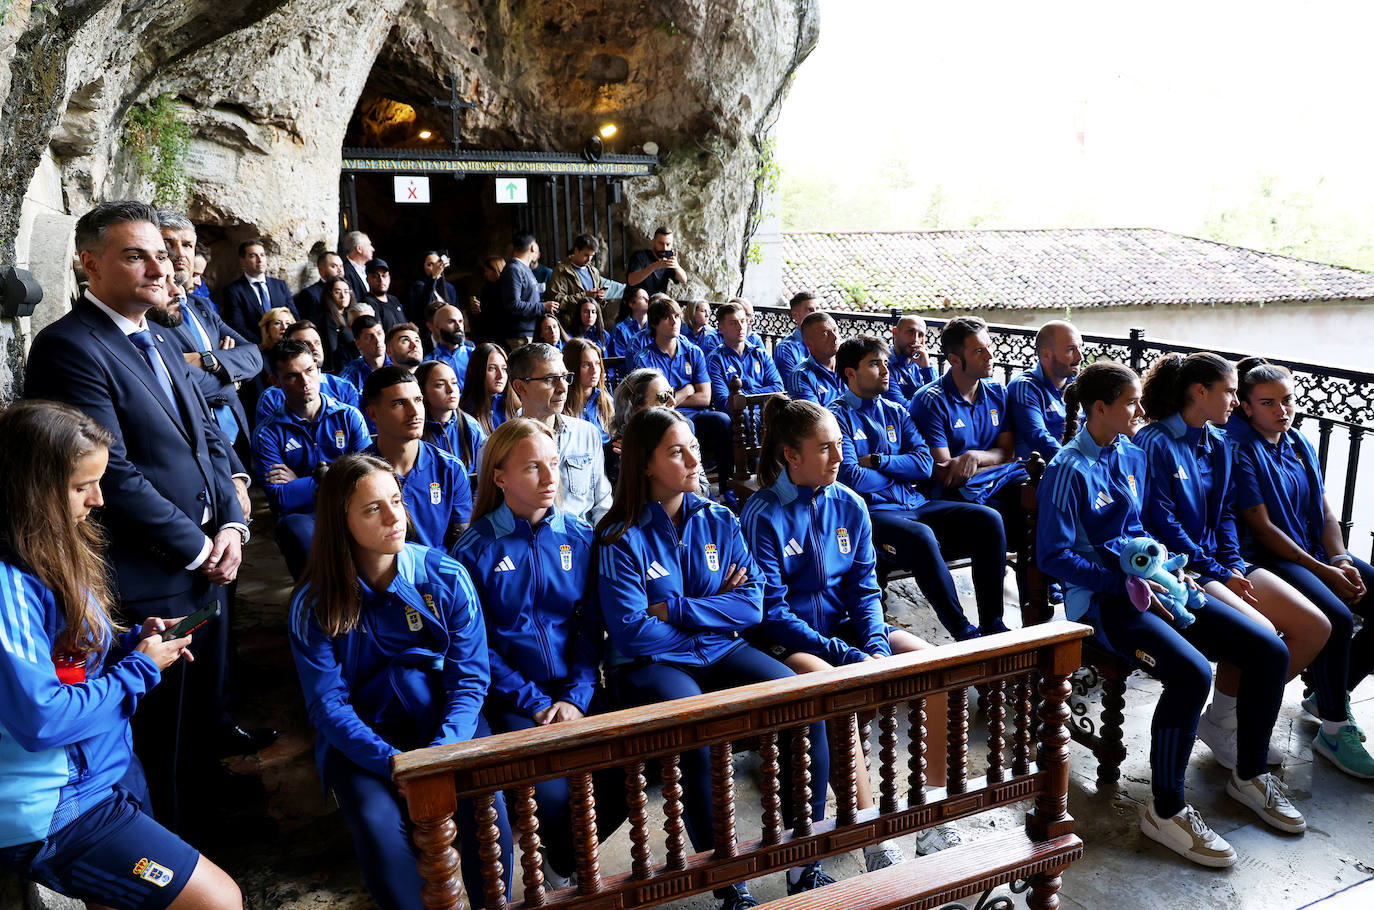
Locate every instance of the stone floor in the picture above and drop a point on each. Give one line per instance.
(306, 860)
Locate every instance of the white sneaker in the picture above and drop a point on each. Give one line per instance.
(1267, 795)
(940, 837)
(552, 880)
(1187, 835)
(1221, 739)
(880, 856)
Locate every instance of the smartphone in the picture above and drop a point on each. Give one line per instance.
(192, 622)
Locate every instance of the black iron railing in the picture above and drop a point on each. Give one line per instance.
(1334, 398)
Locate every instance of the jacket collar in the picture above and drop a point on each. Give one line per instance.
(504, 522)
(654, 511)
(788, 492)
(1086, 446)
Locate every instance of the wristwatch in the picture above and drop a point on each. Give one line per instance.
(209, 362)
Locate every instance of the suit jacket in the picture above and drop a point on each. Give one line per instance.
(388, 308)
(166, 465)
(420, 294)
(355, 281)
(307, 301)
(241, 308)
(241, 363)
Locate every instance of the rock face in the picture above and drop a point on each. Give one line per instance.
(269, 88)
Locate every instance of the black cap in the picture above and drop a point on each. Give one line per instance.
(377, 265)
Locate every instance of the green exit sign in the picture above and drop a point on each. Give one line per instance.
(512, 190)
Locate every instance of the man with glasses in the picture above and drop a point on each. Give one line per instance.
(541, 380)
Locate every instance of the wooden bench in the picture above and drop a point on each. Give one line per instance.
(746, 434)
(1013, 666)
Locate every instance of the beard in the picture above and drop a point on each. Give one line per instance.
(453, 339)
(168, 315)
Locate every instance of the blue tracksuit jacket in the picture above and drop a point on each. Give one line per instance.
(655, 562)
(1090, 501)
(789, 353)
(627, 337)
(416, 660)
(456, 360)
(876, 426)
(905, 378)
(811, 381)
(62, 747)
(948, 421)
(1191, 509)
(447, 436)
(338, 387)
(1285, 478)
(286, 439)
(1035, 407)
(815, 548)
(754, 368)
(437, 493)
(543, 624)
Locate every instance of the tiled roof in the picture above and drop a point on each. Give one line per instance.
(1068, 267)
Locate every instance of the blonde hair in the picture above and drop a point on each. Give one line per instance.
(271, 316)
(495, 451)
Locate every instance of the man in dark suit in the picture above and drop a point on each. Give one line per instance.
(386, 305)
(246, 298)
(520, 306)
(175, 497)
(357, 252)
(218, 356)
(330, 265)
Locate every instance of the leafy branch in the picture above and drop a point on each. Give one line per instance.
(158, 139)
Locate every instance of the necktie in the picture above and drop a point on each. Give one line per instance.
(262, 295)
(224, 415)
(144, 342)
(202, 339)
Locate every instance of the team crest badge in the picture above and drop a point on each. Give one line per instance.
(340, 439)
(436, 493)
(891, 433)
(842, 537)
(153, 872)
(1130, 482)
(712, 558)
(413, 622)
(992, 412)
(565, 557)
(687, 369)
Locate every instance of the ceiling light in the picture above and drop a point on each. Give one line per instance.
(607, 130)
(425, 134)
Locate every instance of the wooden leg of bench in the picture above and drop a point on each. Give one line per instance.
(431, 804)
(1044, 891)
(1111, 753)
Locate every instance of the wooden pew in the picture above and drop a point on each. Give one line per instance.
(1013, 666)
(746, 434)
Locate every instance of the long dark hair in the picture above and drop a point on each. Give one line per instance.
(464, 434)
(40, 445)
(1167, 383)
(1101, 380)
(473, 398)
(642, 435)
(786, 423)
(573, 351)
(330, 571)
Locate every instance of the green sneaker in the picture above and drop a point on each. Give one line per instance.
(1309, 704)
(1345, 751)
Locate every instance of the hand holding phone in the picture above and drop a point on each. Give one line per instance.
(192, 622)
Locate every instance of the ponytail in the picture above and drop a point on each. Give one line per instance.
(786, 423)
(1101, 380)
(1167, 383)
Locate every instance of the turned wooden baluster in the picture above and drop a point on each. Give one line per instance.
(887, 758)
(637, 802)
(997, 713)
(1020, 752)
(844, 775)
(583, 805)
(916, 763)
(431, 803)
(771, 787)
(527, 825)
(866, 737)
(673, 825)
(489, 839)
(1050, 816)
(801, 781)
(956, 780)
(723, 800)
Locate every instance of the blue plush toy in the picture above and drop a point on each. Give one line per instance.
(1145, 560)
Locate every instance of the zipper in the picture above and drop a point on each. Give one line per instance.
(820, 565)
(680, 548)
(539, 632)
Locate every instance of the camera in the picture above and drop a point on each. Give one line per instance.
(666, 254)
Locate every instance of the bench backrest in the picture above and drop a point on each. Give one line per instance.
(1013, 667)
(746, 433)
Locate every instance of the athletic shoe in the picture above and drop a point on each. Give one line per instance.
(878, 857)
(1221, 739)
(940, 837)
(553, 881)
(1309, 704)
(1188, 835)
(1345, 751)
(1267, 795)
(812, 877)
(736, 897)
(968, 631)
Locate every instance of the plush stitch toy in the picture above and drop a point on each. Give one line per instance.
(1145, 560)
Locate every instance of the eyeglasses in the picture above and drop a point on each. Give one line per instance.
(665, 398)
(565, 378)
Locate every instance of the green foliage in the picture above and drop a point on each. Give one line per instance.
(158, 139)
(1291, 222)
(668, 28)
(755, 254)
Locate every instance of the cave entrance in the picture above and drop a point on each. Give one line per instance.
(566, 196)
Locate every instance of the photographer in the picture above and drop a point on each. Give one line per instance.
(432, 287)
(653, 268)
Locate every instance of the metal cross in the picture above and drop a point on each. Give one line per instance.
(456, 105)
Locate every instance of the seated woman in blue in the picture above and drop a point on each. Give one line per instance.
(447, 425)
(72, 794)
(1090, 501)
(392, 655)
(486, 394)
(1191, 511)
(678, 587)
(588, 396)
(588, 324)
(1294, 533)
(531, 563)
(812, 539)
(549, 330)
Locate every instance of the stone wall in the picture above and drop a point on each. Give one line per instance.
(269, 87)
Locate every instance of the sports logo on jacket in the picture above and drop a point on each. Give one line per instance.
(153, 872)
(1130, 482)
(565, 557)
(842, 538)
(340, 439)
(413, 621)
(793, 548)
(891, 433)
(436, 493)
(505, 565)
(1103, 500)
(1181, 474)
(712, 558)
(656, 571)
(291, 445)
(958, 423)
(992, 413)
